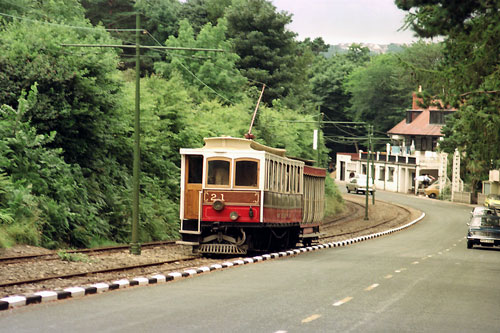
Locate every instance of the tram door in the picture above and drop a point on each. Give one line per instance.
(193, 185)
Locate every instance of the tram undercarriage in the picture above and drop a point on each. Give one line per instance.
(226, 238)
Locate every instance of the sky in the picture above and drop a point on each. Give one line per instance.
(347, 21)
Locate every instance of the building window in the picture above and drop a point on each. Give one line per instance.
(391, 174)
(381, 173)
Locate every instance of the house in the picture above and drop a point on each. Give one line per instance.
(411, 153)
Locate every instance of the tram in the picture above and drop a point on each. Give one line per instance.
(238, 196)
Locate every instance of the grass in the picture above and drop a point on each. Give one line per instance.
(72, 257)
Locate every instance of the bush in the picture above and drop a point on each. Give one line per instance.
(334, 201)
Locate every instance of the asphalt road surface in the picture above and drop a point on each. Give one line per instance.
(421, 279)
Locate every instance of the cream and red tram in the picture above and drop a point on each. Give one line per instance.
(238, 195)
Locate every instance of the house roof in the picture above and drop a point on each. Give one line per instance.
(419, 126)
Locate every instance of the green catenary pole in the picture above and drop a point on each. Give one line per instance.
(373, 165)
(135, 246)
(367, 175)
(320, 118)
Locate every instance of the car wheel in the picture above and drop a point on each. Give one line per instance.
(469, 244)
(348, 190)
(432, 195)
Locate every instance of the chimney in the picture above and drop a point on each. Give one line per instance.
(414, 103)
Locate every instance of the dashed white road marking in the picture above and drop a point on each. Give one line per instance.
(388, 276)
(400, 270)
(281, 332)
(440, 252)
(430, 255)
(342, 301)
(415, 263)
(310, 318)
(373, 286)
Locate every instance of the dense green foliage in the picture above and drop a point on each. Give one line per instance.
(469, 75)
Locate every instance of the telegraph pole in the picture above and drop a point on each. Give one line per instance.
(135, 246)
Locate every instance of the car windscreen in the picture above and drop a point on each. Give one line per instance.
(486, 221)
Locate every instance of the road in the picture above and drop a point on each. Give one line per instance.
(421, 279)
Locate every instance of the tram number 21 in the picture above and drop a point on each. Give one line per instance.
(216, 196)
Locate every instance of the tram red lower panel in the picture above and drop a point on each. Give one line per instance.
(282, 215)
(212, 215)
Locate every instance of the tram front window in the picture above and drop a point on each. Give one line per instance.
(246, 173)
(218, 172)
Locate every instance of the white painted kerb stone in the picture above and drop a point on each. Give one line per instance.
(47, 295)
(76, 291)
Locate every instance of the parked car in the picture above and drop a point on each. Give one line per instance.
(484, 230)
(492, 201)
(432, 191)
(358, 184)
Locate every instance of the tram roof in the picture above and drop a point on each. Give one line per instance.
(230, 143)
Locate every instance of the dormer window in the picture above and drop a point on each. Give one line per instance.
(411, 115)
(438, 117)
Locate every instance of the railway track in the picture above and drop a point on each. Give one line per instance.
(53, 255)
(353, 211)
(367, 229)
(100, 271)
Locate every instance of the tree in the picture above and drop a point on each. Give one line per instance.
(266, 48)
(469, 73)
(78, 97)
(77, 90)
(380, 93)
(422, 63)
(317, 46)
(381, 90)
(214, 73)
(201, 12)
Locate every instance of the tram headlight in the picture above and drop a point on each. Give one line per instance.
(233, 216)
(218, 205)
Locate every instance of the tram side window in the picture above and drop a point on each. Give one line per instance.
(195, 169)
(218, 172)
(287, 179)
(246, 173)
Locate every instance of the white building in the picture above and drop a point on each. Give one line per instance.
(413, 152)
